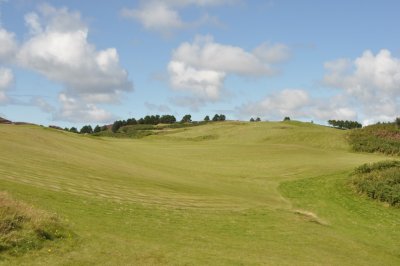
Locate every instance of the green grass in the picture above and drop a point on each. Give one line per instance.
(228, 193)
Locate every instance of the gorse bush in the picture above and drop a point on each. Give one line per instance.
(380, 181)
(23, 228)
(384, 138)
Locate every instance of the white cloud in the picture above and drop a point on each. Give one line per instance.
(203, 83)
(298, 104)
(8, 45)
(156, 16)
(164, 16)
(372, 81)
(59, 49)
(33, 23)
(75, 110)
(204, 53)
(288, 102)
(202, 66)
(337, 107)
(272, 53)
(6, 80)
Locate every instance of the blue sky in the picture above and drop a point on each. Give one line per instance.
(92, 62)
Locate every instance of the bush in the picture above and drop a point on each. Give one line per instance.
(383, 138)
(379, 181)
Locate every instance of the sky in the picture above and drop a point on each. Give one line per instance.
(71, 63)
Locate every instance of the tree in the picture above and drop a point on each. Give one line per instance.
(117, 124)
(104, 128)
(73, 130)
(397, 121)
(219, 117)
(207, 118)
(216, 117)
(344, 124)
(252, 119)
(258, 119)
(86, 129)
(97, 129)
(186, 119)
(167, 119)
(131, 121)
(286, 118)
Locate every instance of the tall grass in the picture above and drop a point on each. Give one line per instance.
(380, 181)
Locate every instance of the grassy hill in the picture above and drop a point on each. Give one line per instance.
(225, 193)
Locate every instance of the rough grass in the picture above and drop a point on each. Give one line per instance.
(380, 181)
(229, 193)
(383, 138)
(24, 228)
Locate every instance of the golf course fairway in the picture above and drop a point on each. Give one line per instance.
(224, 193)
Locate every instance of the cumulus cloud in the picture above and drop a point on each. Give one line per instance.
(75, 110)
(272, 53)
(372, 81)
(202, 66)
(6, 80)
(164, 17)
(8, 46)
(59, 50)
(288, 102)
(156, 16)
(299, 104)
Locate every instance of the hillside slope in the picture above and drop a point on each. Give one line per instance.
(222, 193)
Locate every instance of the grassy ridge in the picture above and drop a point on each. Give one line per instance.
(223, 194)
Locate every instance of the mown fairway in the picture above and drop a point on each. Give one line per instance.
(226, 193)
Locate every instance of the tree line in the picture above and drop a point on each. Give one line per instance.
(147, 120)
(344, 124)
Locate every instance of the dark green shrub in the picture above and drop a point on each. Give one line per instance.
(382, 138)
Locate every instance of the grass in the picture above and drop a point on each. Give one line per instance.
(24, 228)
(229, 193)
